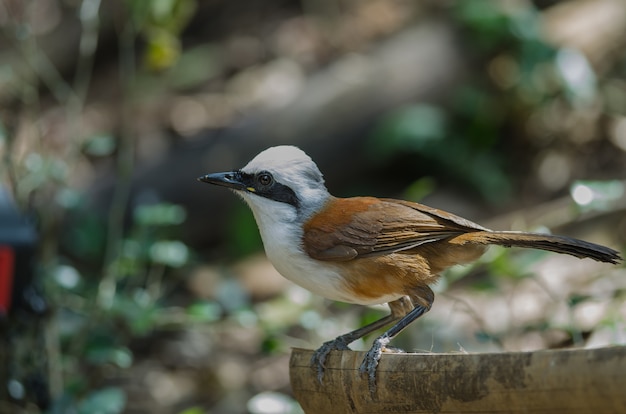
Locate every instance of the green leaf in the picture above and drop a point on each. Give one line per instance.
(140, 317)
(577, 75)
(204, 311)
(105, 401)
(484, 337)
(162, 51)
(195, 66)
(412, 128)
(100, 145)
(86, 238)
(102, 355)
(270, 344)
(244, 234)
(170, 253)
(420, 188)
(576, 299)
(162, 214)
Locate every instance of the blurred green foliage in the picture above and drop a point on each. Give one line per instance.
(93, 337)
(244, 237)
(468, 158)
(161, 23)
(468, 141)
(111, 281)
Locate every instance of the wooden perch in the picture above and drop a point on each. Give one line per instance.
(555, 381)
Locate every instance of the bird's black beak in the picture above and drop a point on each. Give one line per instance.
(232, 179)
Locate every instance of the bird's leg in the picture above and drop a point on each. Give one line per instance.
(370, 362)
(341, 343)
(422, 304)
(399, 308)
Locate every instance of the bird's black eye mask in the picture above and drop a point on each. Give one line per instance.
(263, 184)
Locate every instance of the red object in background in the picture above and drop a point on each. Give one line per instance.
(7, 262)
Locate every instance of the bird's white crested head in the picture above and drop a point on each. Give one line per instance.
(285, 174)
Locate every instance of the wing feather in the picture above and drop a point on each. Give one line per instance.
(365, 226)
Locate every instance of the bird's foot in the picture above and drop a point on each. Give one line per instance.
(393, 350)
(370, 362)
(319, 357)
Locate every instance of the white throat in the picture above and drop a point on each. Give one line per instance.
(281, 230)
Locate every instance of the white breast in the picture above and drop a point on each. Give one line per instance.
(282, 238)
(283, 246)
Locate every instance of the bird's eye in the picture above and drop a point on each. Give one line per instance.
(265, 179)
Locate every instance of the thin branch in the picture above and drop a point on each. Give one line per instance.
(125, 165)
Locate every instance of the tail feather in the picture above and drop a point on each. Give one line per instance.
(549, 242)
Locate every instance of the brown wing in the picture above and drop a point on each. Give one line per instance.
(365, 226)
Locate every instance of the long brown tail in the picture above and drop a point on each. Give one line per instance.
(558, 244)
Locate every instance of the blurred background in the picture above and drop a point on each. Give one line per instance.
(141, 290)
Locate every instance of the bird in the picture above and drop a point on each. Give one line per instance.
(366, 250)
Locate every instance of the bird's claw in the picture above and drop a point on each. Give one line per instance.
(370, 362)
(319, 357)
